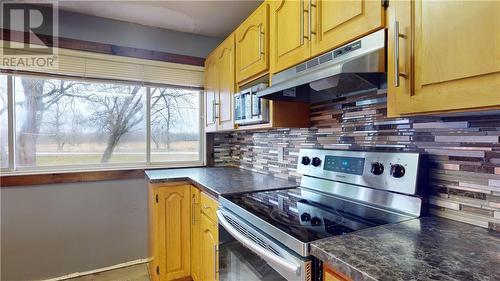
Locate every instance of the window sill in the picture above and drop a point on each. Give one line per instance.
(53, 176)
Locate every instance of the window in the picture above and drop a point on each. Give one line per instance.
(80, 123)
(175, 126)
(4, 133)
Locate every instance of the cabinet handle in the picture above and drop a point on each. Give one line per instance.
(215, 262)
(309, 9)
(396, 53)
(193, 211)
(302, 22)
(214, 111)
(261, 41)
(397, 73)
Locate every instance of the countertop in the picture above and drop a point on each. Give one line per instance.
(220, 180)
(428, 248)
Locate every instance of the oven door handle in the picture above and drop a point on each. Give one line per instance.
(263, 253)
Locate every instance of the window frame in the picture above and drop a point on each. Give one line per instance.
(13, 169)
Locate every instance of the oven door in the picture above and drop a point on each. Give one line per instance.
(247, 254)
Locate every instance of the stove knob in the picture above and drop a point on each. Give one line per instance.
(377, 168)
(315, 221)
(305, 217)
(305, 160)
(316, 161)
(397, 170)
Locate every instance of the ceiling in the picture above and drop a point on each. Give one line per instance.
(209, 18)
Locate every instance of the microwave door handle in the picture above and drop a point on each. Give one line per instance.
(285, 264)
(251, 103)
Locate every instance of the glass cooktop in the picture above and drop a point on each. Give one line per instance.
(310, 215)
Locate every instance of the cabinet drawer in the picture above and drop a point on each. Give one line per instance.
(209, 206)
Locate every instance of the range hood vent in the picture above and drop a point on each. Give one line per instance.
(350, 69)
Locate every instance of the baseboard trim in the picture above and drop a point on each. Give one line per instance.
(116, 266)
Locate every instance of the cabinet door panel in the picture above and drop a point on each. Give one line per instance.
(252, 40)
(175, 211)
(225, 66)
(195, 234)
(456, 57)
(400, 12)
(154, 246)
(209, 252)
(338, 22)
(211, 94)
(288, 27)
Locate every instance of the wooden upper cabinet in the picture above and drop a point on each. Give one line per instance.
(211, 94)
(220, 87)
(225, 56)
(289, 43)
(337, 22)
(252, 45)
(449, 57)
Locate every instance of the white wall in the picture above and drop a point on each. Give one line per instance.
(53, 230)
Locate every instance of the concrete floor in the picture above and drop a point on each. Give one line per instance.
(132, 273)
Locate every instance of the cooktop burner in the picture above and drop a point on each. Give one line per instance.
(303, 213)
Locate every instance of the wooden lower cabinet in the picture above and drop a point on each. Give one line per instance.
(183, 240)
(195, 234)
(330, 274)
(209, 249)
(171, 230)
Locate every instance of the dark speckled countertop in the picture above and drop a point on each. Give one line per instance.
(429, 248)
(220, 180)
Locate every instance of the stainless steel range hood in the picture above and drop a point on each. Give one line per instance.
(353, 68)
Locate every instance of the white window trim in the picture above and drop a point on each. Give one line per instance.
(13, 169)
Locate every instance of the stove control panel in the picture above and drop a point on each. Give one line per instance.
(343, 164)
(394, 171)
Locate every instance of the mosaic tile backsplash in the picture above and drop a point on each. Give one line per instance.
(463, 153)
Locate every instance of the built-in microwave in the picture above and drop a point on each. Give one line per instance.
(250, 109)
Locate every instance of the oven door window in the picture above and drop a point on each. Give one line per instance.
(237, 263)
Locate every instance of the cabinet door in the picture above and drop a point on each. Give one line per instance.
(252, 44)
(456, 56)
(195, 234)
(338, 22)
(209, 249)
(154, 265)
(289, 42)
(174, 210)
(211, 94)
(226, 71)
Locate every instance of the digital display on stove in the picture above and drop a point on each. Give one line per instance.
(342, 164)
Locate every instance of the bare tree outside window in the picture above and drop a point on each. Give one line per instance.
(63, 122)
(120, 112)
(174, 124)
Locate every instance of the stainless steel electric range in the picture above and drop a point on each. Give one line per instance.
(266, 235)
